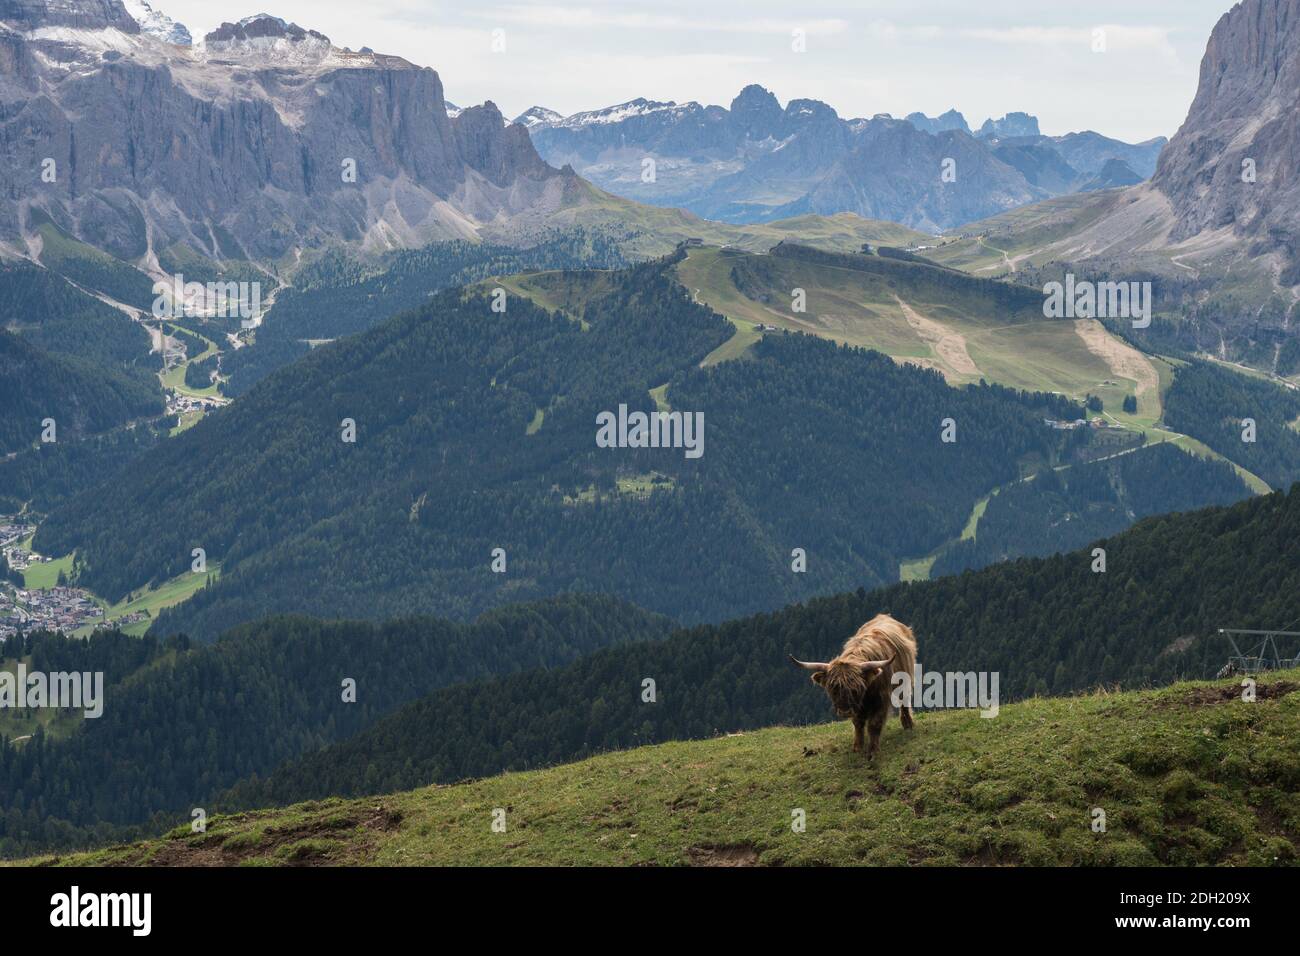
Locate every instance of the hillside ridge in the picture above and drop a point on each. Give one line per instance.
(1191, 774)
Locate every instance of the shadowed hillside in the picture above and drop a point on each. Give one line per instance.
(1190, 775)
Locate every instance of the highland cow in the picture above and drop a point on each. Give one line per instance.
(859, 681)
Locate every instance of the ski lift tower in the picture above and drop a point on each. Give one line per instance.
(1263, 656)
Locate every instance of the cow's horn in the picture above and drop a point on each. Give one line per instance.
(809, 665)
(876, 665)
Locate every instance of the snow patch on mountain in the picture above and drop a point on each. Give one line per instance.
(616, 114)
(266, 37)
(538, 116)
(157, 24)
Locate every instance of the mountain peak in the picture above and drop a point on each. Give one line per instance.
(1013, 124)
(939, 124)
(537, 116)
(810, 108)
(267, 34)
(157, 24)
(755, 99)
(1231, 164)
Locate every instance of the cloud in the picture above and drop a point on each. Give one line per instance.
(587, 18)
(890, 32)
(1117, 37)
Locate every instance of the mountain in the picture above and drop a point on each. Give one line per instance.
(1044, 625)
(957, 790)
(157, 24)
(1013, 124)
(939, 124)
(877, 177)
(1114, 175)
(1088, 152)
(36, 386)
(1040, 163)
(1230, 166)
(431, 708)
(534, 116)
(1217, 227)
(260, 143)
(476, 430)
(755, 160)
(274, 688)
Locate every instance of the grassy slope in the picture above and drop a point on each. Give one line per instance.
(174, 377)
(658, 228)
(152, 600)
(1188, 774)
(863, 309)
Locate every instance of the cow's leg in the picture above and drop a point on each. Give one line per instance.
(857, 735)
(905, 715)
(874, 728)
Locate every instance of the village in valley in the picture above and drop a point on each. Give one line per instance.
(35, 595)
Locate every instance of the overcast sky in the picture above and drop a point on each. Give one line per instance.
(983, 57)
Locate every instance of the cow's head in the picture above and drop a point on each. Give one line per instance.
(845, 682)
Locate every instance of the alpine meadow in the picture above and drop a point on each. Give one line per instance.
(736, 435)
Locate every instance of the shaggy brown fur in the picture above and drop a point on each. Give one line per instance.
(859, 680)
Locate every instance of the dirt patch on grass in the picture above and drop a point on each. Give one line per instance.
(1123, 360)
(315, 842)
(948, 346)
(1205, 696)
(740, 854)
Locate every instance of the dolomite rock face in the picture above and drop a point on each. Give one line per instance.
(241, 145)
(1246, 114)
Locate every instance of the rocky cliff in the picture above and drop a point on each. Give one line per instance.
(1232, 164)
(258, 142)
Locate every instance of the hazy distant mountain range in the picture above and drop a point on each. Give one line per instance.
(756, 160)
(262, 144)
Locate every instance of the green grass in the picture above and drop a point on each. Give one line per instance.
(567, 292)
(1188, 775)
(655, 230)
(918, 569)
(152, 600)
(174, 377)
(40, 577)
(16, 723)
(853, 307)
(187, 421)
(539, 416)
(642, 485)
(746, 334)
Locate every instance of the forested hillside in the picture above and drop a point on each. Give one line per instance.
(1063, 510)
(1047, 625)
(475, 430)
(49, 474)
(198, 720)
(1212, 404)
(56, 317)
(80, 396)
(338, 295)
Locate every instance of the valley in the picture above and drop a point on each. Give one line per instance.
(430, 488)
